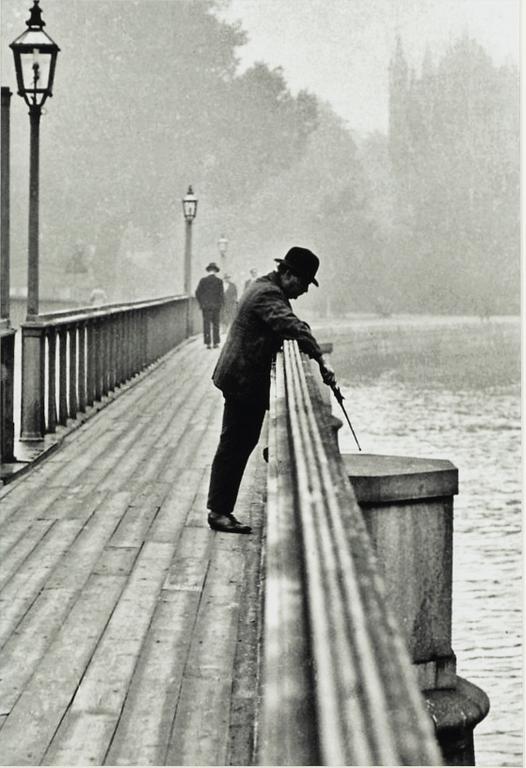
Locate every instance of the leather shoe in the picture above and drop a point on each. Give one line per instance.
(227, 524)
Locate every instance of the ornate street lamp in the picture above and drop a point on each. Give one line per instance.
(35, 55)
(222, 244)
(189, 210)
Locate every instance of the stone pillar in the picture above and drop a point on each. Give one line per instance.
(407, 505)
(7, 373)
(33, 382)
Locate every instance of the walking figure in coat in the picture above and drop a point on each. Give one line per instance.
(210, 296)
(264, 319)
(230, 301)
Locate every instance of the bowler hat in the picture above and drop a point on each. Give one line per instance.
(212, 267)
(301, 262)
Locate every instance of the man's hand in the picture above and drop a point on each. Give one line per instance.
(327, 374)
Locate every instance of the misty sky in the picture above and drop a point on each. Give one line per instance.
(340, 49)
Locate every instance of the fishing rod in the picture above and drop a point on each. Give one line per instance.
(339, 397)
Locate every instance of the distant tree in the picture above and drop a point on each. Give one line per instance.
(148, 98)
(454, 149)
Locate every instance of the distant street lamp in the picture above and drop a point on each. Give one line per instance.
(35, 56)
(222, 244)
(189, 210)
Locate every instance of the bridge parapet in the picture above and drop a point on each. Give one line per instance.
(338, 687)
(72, 358)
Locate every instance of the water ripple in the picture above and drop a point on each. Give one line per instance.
(452, 391)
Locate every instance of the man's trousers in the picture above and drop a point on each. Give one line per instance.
(242, 422)
(211, 325)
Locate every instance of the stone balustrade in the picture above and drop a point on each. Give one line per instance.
(73, 358)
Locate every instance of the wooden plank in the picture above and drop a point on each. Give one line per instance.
(213, 646)
(138, 517)
(141, 447)
(102, 442)
(35, 717)
(129, 460)
(200, 391)
(172, 516)
(123, 435)
(200, 732)
(245, 693)
(190, 564)
(116, 561)
(105, 454)
(87, 737)
(23, 587)
(51, 565)
(31, 505)
(90, 658)
(206, 450)
(145, 399)
(21, 548)
(24, 649)
(78, 562)
(200, 735)
(16, 495)
(106, 680)
(143, 732)
(148, 469)
(197, 515)
(10, 534)
(197, 430)
(76, 504)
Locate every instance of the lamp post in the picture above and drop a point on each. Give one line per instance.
(7, 334)
(35, 56)
(222, 244)
(189, 210)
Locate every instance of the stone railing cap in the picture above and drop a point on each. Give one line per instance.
(383, 479)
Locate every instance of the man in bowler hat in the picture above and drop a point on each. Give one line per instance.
(210, 296)
(263, 320)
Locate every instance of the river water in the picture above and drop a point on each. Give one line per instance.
(450, 388)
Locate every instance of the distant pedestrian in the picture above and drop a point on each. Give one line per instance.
(230, 302)
(253, 276)
(210, 297)
(264, 319)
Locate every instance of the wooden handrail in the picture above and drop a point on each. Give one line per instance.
(346, 693)
(77, 314)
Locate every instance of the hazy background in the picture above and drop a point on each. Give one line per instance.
(383, 134)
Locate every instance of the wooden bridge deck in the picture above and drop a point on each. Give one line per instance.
(128, 629)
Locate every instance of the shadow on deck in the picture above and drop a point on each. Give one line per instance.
(128, 630)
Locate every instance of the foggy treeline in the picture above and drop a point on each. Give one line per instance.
(149, 98)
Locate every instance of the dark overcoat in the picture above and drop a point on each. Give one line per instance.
(264, 319)
(209, 292)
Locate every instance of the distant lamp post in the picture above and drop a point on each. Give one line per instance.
(222, 244)
(190, 211)
(35, 56)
